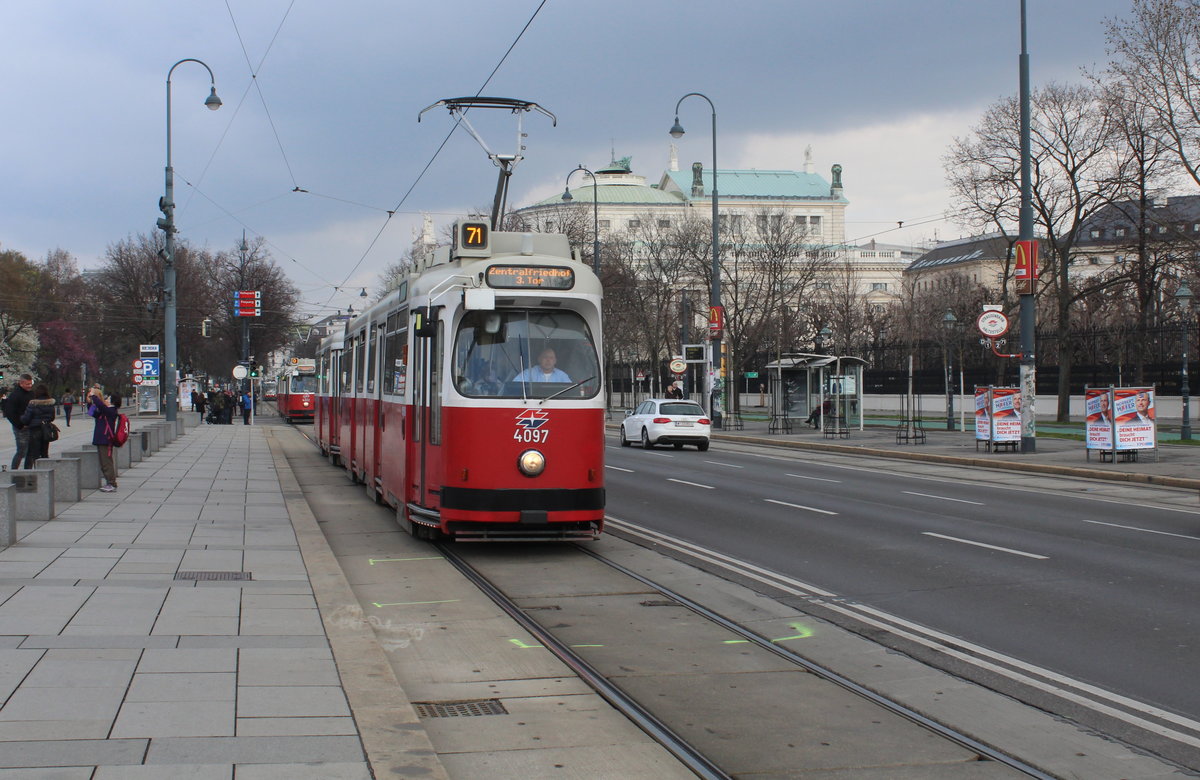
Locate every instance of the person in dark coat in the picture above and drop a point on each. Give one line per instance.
(199, 402)
(38, 415)
(68, 403)
(14, 407)
(106, 413)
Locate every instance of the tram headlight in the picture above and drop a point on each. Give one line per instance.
(531, 463)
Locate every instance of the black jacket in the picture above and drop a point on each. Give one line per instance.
(15, 405)
(38, 411)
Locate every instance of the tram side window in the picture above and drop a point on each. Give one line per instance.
(395, 354)
(360, 359)
(525, 354)
(371, 353)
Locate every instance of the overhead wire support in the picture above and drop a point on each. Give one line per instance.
(459, 107)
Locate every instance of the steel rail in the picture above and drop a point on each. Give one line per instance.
(828, 674)
(655, 728)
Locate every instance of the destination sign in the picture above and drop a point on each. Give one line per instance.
(517, 277)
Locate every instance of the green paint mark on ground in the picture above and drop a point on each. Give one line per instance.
(802, 632)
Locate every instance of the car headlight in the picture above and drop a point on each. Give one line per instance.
(531, 463)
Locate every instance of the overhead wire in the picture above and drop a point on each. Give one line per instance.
(441, 146)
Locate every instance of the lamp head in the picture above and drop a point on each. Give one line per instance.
(949, 320)
(567, 194)
(1184, 296)
(212, 101)
(677, 130)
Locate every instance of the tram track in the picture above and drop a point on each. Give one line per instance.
(695, 756)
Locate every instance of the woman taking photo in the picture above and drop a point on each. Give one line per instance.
(106, 413)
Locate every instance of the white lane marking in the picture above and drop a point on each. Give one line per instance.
(989, 546)
(618, 468)
(693, 484)
(660, 454)
(1051, 682)
(726, 465)
(942, 498)
(799, 506)
(1143, 530)
(818, 479)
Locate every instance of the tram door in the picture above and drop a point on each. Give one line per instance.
(425, 455)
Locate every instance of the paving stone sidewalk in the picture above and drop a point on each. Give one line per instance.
(170, 629)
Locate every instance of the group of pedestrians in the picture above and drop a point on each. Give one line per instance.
(31, 413)
(221, 405)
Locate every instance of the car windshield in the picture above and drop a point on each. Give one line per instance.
(688, 409)
(525, 354)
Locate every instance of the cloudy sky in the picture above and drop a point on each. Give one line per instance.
(323, 97)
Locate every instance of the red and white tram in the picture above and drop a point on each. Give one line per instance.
(470, 398)
(295, 390)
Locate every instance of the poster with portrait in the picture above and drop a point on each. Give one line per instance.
(1100, 424)
(983, 417)
(1133, 410)
(1006, 414)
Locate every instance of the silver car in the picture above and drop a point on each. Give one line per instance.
(666, 421)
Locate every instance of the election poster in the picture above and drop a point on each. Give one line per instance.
(983, 417)
(1100, 424)
(1133, 411)
(1006, 414)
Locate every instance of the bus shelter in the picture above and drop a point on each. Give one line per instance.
(800, 383)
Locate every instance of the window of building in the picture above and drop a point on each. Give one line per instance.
(1162, 228)
(824, 286)
(664, 223)
(1095, 234)
(634, 224)
(1093, 261)
(605, 224)
(814, 225)
(1120, 232)
(879, 285)
(549, 226)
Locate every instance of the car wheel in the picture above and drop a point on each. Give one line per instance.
(624, 441)
(702, 446)
(646, 444)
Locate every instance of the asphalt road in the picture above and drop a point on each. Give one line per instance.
(1098, 591)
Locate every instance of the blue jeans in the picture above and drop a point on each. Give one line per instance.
(21, 436)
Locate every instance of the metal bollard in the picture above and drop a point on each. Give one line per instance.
(8, 515)
(66, 478)
(35, 493)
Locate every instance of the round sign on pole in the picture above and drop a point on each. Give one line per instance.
(137, 379)
(678, 366)
(992, 324)
(240, 372)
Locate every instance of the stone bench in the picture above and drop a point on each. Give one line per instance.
(34, 489)
(66, 478)
(8, 516)
(89, 467)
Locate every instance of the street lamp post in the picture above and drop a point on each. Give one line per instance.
(949, 324)
(167, 224)
(1184, 296)
(595, 214)
(716, 362)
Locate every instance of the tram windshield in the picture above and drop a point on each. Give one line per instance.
(304, 383)
(525, 354)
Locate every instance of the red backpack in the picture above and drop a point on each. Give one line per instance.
(121, 435)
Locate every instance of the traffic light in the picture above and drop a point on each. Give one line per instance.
(166, 222)
(255, 370)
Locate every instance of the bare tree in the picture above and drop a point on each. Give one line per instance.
(1072, 177)
(1157, 58)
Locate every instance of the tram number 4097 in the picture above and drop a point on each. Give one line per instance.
(531, 435)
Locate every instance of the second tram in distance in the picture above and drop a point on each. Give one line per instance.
(296, 390)
(470, 398)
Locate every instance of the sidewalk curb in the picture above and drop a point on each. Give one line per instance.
(393, 737)
(1036, 468)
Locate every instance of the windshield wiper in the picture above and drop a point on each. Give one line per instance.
(566, 389)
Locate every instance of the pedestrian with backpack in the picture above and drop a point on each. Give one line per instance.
(107, 414)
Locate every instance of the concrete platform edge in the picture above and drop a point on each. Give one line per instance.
(393, 736)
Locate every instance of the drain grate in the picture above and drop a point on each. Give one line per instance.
(459, 709)
(212, 575)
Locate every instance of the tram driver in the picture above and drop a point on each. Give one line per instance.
(545, 371)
